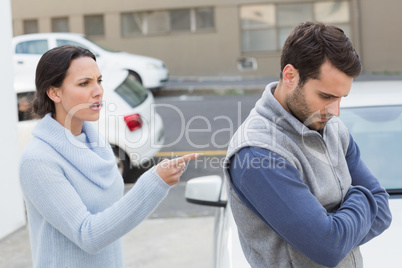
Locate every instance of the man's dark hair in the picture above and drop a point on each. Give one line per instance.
(310, 44)
(51, 71)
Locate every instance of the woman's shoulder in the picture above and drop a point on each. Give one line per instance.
(37, 150)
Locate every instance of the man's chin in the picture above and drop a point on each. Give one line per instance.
(320, 125)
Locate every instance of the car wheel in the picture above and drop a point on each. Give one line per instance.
(123, 163)
(136, 76)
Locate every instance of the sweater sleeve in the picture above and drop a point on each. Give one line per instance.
(45, 186)
(362, 176)
(272, 188)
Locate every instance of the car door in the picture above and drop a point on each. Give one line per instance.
(27, 54)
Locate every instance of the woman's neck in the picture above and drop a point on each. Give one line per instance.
(69, 122)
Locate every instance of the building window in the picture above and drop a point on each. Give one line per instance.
(60, 25)
(335, 13)
(258, 27)
(265, 27)
(31, 26)
(204, 18)
(132, 23)
(180, 20)
(167, 21)
(156, 22)
(94, 25)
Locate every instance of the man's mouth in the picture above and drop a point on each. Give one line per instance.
(324, 119)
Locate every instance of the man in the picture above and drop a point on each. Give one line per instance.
(300, 194)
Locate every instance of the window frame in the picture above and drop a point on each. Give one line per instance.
(277, 28)
(89, 16)
(53, 21)
(144, 30)
(26, 26)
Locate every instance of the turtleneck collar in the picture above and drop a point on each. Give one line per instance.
(269, 107)
(89, 153)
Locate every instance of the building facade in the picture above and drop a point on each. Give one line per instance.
(218, 37)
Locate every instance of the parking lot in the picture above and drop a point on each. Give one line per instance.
(162, 242)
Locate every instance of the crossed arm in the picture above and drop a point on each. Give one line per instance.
(326, 238)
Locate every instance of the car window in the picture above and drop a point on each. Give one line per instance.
(132, 91)
(62, 42)
(24, 102)
(378, 133)
(32, 47)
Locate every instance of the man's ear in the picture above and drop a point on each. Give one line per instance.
(54, 94)
(290, 76)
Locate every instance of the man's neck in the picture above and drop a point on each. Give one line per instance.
(279, 94)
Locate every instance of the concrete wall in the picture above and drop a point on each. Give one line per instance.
(12, 215)
(381, 27)
(375, 29)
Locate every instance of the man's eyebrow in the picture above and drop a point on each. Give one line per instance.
(331, 95)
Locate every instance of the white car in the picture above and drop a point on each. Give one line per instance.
(373, 114)
(28, 49)
(128, 120)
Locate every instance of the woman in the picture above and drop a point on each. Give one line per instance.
(74, 193)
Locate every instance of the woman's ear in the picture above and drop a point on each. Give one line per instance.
(54, 94)
(290, 76)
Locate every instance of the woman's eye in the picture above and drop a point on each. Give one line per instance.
(100, 81)
(83, 84)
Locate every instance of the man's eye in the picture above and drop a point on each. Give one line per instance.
(326, 97)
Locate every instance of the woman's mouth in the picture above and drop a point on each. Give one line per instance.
(96, 106)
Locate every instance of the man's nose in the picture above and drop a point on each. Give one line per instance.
(334, 107)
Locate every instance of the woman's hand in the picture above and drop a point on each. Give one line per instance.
(171, 170)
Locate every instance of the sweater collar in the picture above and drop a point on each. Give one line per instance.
(93, 158)
(269, 107)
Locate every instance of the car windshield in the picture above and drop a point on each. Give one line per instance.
(132, 91)
(62, 42)
(101, 46)
(378, 133)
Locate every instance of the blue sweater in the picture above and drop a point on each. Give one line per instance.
(74, 196)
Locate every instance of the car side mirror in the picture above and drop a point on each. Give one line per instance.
(207, 190)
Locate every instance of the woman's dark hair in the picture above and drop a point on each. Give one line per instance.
(310, 44)
(51, 71)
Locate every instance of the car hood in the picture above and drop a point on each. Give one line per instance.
(384, 250)
(24, 82)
